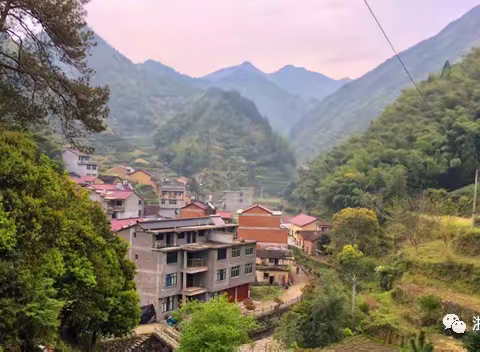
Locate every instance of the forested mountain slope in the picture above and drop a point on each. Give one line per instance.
(139, 100)
(407, 149)
(353, 106)
(222, 139)
(280, 106)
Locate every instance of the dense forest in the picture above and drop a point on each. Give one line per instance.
(411, 146)
(222, 140)
(352, 108)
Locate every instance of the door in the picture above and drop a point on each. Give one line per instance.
(271, 279)
(194, 237)
(169, 240)
(189, 280)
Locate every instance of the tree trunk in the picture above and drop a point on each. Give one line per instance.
(3, 15)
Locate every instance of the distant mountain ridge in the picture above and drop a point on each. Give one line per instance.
(353, 106)
(282, 103)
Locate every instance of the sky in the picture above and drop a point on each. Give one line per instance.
(338, 38)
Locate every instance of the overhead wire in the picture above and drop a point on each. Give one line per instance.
(400, 59)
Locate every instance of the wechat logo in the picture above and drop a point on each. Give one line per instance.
(452, 322)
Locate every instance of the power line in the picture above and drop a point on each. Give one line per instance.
(400, 60)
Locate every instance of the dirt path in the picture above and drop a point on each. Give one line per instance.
(299, 281)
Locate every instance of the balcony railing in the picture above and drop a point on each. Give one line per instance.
(194, 263)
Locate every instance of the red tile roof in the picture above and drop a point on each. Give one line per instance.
(118, 194)
(259, 206)
(83, 179)
(118, 224)
(224, 214)
(302, 220)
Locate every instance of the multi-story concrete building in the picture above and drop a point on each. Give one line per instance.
(179, 259)
(119, 200)
(171, 198)
(235, 200)
(79, 163)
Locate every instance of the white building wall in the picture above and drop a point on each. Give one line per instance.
(71, 161)
(133, 205)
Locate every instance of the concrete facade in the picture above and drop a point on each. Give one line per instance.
(235, 200)
(172, 197)
(79, 163)
(273, 266)
(188, 259)
(118, 203)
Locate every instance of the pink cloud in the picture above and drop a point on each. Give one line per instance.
(336, 37)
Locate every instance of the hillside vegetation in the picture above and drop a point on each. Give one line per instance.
(408, 149)
(222, 140)
(354, 106)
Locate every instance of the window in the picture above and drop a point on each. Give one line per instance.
(89, 167)
(139, 213)
(235, 271)
(172, 201)
(136, 256)
(271, 260)
(160, 237)
(221, 274)
(201, 233)
(94, 167)
(114, 215)
(248, 268)
(248, 250)
(235, 252)
(222, 254)
(171, 280)
(265, 275)
(139, 202)
(134, 235)
(118, 203)
(163, 201)
(241, 194)
(181, 235)
(172, 257)
(167, 304)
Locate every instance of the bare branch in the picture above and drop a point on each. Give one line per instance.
(4, 14)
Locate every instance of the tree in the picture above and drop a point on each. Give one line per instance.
(39, 42)
(355, 226)
(316, 321)
(216, 325)
(349, 263)
(64, 276)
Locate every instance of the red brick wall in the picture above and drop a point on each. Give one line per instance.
(259, 221)
(308, 246)
(264, 235)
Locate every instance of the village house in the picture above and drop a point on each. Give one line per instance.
(262, 225)
(179, 259)
(143, 177)
(308, 241)
(171, 195)
(119, 170)
(274, 266)
(302, 222)
(233, 201)
(197, 209)
(119, 201)
(79, 164)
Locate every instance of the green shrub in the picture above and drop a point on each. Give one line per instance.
(431, 307)
(467, 243)
(347, 333)
(364, 308)
(399, 296)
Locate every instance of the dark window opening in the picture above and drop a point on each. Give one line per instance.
(222, 254)
(172, 257)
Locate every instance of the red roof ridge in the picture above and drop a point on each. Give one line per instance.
(303, 220)
(257, 205)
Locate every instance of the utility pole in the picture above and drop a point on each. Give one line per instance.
(475, 198)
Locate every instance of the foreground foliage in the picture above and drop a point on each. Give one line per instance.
(408, 149)
(318, 320)
(214, 326)
(37, 40)
(63, 274)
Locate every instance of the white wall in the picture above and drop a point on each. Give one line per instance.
(71, 164)
(132, 207)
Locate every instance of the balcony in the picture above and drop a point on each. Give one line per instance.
(111, 208)
(193, 290)
(273, 267)
(195, 265)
